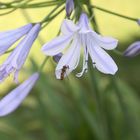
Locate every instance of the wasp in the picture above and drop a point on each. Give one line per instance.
(63, 71)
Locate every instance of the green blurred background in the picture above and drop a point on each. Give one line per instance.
(94, 107)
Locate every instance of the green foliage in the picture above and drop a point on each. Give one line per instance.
(93, 107)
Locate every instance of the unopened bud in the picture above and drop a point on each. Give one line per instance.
(69, 7)
(133, 50)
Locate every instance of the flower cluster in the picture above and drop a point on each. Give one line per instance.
(14, 63)
(65, 49)
(80, 36)
(18, 56)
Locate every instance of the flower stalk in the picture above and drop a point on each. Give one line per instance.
(113, 13)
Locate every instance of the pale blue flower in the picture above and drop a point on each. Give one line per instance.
(133, 50)
(74, 37)
(69, 7)
(8, 38)
(13, 99)
(17, 58)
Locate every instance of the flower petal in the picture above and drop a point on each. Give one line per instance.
(18, 57)
(23, 48)
(11, 101)
(9, 37)
(84, 24)
(107, 43)
(69, 59)
(85, 64)
(68, 27)
(85, 57)
(57, 45)
(101, 60)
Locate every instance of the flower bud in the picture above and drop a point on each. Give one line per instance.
(12, 100)
(69, 7)
(132, 50)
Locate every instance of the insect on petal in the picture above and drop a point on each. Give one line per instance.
(69, 59)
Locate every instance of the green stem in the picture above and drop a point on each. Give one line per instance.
(8, 12)
(9, 51)
(51, 18)
(43, 4)
(43, 64)
(43, 112)
(28, 18)
(97, 92)
(117, 52)
(48, 16)
(24, 4)
(20, 4)
(40, 40)
(91, 13)
(83, 109)
(113, 13)
(124, 107)
(78, 9)
(16, 1)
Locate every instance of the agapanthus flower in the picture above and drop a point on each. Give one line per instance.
(74, 37)
(18, 56)
(13, 99)
(8, 38)
(69, 7)
(133, 49)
